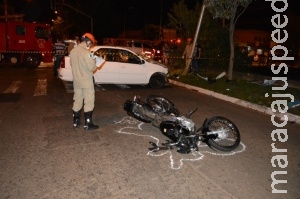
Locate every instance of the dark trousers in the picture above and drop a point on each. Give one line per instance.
(195, 66)
(57, 62)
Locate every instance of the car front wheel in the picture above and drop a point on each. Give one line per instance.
(157, 81)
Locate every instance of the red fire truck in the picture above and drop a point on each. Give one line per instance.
(25, 43)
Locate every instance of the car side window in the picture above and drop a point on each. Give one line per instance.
(107, 54)
(127, 57)
(101, 53)
(134, 59)
(110, 56)
(123, 56)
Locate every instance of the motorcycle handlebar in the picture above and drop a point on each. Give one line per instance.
(191, 112)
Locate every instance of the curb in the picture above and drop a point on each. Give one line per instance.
(262, 109)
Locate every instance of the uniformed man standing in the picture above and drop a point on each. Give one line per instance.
(83, 65)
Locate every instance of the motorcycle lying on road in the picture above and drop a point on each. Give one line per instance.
(218, 132)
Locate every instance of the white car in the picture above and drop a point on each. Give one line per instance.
(122, 66)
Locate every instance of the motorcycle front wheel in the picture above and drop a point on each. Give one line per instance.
(222, 134)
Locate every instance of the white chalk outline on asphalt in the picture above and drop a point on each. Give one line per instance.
(175, 163)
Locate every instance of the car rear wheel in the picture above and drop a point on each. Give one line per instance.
(157, 81)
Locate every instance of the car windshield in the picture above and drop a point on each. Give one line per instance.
(146, 57)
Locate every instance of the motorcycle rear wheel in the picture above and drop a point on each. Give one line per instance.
(133, 109)
(229, 137)
(161, 105)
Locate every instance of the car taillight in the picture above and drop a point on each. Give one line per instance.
(62, 63)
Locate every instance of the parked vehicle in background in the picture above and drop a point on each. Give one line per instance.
(25, 43)
(158, 55)
(122, 66)
(161, 52)
(70, 44)
(141, 47)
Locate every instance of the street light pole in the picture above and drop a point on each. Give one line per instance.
(67, 5)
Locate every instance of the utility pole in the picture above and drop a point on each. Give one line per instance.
(159, 35)
(5, 10)
(195, 38)
(7, 17)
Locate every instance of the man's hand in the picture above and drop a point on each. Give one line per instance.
(99, 67)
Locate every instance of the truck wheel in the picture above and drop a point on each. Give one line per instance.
(32, 60)
(14, 58)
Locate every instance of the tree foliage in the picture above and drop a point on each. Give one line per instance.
(212, 37)
(214, 42)
(184, 20)
(151, 32)
(228, 11)
(69, 23)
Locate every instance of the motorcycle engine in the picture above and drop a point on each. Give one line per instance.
(187, 124)
(170, 130)
(184, 146)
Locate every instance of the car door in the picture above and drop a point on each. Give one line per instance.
(131, 69)
(109, 73)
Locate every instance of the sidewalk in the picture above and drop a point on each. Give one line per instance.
(263, 109)
(248, 76)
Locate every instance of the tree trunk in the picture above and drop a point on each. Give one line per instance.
(231, 58)
(231, 40)
(187, 67)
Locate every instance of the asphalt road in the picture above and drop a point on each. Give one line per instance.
(43, 157)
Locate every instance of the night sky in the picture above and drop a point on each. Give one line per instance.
(259, 13)
(110, 18)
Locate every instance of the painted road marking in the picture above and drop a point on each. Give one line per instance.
(13, 87)
(123, 86)
(41, 87)
(99, 87)
(68, 86)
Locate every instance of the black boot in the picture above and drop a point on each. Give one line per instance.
(88, 121)
(76, 118)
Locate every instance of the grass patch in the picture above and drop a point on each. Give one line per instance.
(239, 88)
